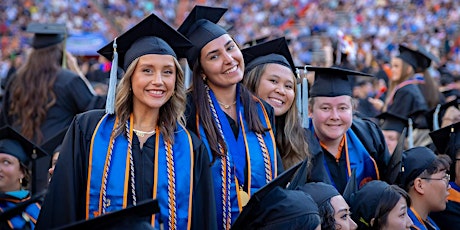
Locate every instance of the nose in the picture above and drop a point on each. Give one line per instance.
(156, 79)
(409, 222)
(334, 113)
(228, 58)
(280, 90)
(353, 225)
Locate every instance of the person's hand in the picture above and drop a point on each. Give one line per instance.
(377, 103)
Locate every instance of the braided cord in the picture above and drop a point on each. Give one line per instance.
(131, 165)
(266, 155)
(171, 186)
(105, 204)
(225, 172)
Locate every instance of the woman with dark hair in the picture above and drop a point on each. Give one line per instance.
(15, 156)
(141, 149)
(333, 209)
(378, 205)
(234, 124)
(270, 74)
(42, 97)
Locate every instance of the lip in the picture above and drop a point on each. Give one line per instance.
(156, 92)
(231, 70)
(277, 101)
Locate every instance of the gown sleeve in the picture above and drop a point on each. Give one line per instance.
(204, 208)
(65, 200)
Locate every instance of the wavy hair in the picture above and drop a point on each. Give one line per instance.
(170, 113)
(31, 91)
(203, 108)
(292, 140)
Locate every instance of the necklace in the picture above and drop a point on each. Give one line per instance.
(141, 133)
(226, 106)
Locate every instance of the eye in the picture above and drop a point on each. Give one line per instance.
(289, 86)
(273, 81)
(343, 108)
(231, 47)
(213, 57)
(168, 72)
(147, 70)
(6, 162)
(325, 108)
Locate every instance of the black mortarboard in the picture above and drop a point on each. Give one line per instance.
(256, 41)
(275, 51)
(52, 143)
(332, 81)
(391, 121)
(319, 191)
(259, 199)
(414, 162)
(447, 141)
(415, 58)
(13, 143)
(150, 36)
(351, 187)
(46, 34)
(393, 170)
(201, 28)
(434, 116)
(363, 203)
(134, 217)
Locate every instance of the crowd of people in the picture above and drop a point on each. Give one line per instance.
(214, 128)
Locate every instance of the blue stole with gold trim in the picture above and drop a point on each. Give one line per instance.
(118, 175)
(418, 223)
(358, 158)
(243, 149)
(28, 216)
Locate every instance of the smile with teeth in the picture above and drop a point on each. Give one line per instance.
(156, 92)
(278, 101)
(233, 69)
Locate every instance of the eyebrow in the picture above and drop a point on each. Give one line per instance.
(215, 51)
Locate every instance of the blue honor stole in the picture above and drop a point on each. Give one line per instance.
(240, 151)
(28, 216)
(419, 224)
(357, 157)
(116, 169)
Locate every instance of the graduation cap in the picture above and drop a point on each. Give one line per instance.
(46, 34)
(415, 161)
(134, 217)
(351, 187)
(391, 121)
(256, 41)
(364, 202)
(332, 81)
(418, 60)
(13, 143)
(201, 28)
(275, 51)
(434, 116)
(52, 143)
(261, 199)
(447, 141)
(150, 36)
(393, 170)
(320, 191)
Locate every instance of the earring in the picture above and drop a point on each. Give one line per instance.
(20, 181)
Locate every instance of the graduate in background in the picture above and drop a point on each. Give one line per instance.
(447, 141)
(16, 152)
(43, 97)
(425, 177)
(235, 125)
(347, 143)
(138, 149)
(270, 75)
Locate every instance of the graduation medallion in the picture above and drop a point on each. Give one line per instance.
(244, 197)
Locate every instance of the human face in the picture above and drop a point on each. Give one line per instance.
(10, 173)
(276, 87)
(396, 68)
(153, 81)
(398, 219)
(391, 138)
(331, 117)
(437, 190)
(222, 63)
(342, 214)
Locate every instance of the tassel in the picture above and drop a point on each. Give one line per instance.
(410, 135)
(435, 117)
(305, 120)
(110, 103)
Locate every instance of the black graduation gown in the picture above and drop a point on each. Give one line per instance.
(72, 97)
(373, 140)
(65, 201)
(21, 213)
(449, 219)
(408, 100)
(317, 171)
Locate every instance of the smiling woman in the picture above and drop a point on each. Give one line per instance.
(141, 150)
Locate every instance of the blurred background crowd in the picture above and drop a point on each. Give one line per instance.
(367, 31)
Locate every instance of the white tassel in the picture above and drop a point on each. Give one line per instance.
(435, 117)
(410, 136)
(110, 103)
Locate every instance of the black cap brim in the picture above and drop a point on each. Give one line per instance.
(114, 219)
(275, 51)
(46, 34)
(391, 121)
(151, 26)
(25, 152)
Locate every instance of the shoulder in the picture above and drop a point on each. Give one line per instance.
(362, 124)
(88, 120)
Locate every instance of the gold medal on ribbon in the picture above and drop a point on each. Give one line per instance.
(244, 197)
